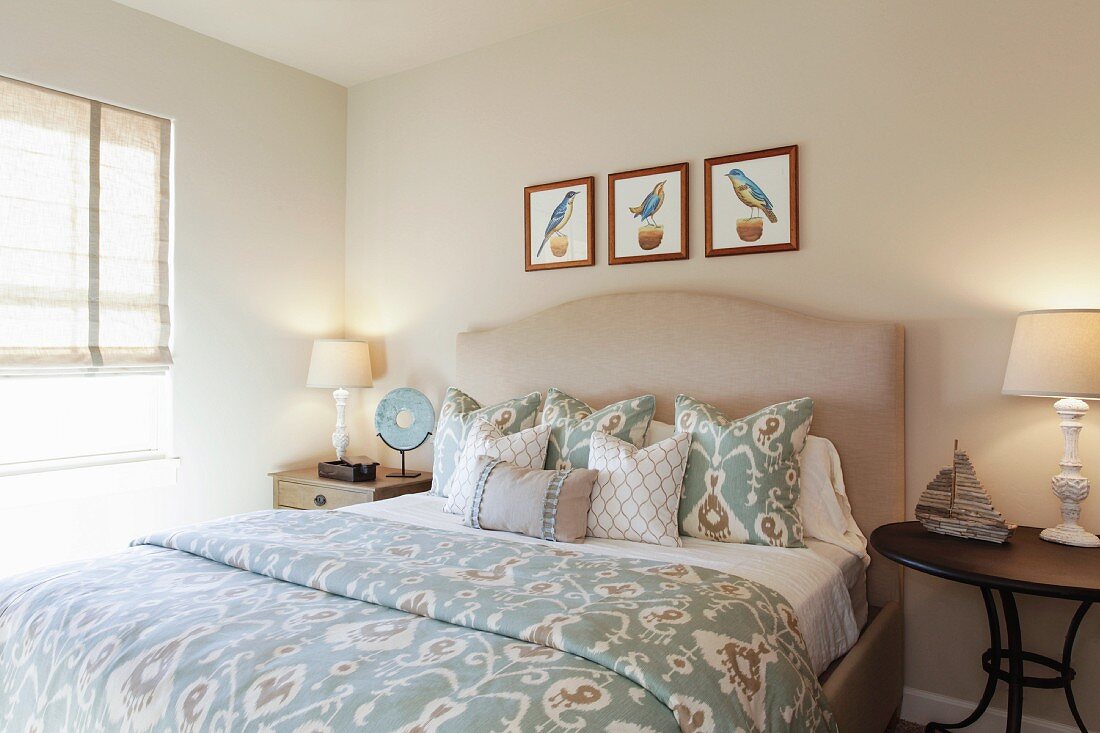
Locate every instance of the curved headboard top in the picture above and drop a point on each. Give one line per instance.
(736, 354)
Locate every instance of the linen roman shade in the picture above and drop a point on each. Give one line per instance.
(84, 206)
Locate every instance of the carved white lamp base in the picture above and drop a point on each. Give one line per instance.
(340, 437)
(1070, 534)
(1070, 486)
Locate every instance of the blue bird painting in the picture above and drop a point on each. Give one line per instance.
(558, 219)
(751, 195)
(650, 205)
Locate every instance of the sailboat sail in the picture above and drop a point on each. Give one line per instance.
(956, 503)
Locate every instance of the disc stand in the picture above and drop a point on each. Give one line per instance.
(404, 473)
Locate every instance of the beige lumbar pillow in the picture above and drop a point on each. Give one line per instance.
(526, 449)
(637, 491)
(550, 505)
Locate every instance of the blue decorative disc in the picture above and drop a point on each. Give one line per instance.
(401, 400)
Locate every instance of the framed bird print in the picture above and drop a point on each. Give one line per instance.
(751, 202)
(647, 215)
(560, 224)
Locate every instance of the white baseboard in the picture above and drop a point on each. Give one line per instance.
(918, 706)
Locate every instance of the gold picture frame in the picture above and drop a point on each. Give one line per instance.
(640, 226)
(559, 222)
(762, 184)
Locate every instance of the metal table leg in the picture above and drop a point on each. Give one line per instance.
(1015, 663)
(1014, 653)
(991, 681)
(1067, 669)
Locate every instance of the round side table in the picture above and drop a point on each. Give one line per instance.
(1024, 564)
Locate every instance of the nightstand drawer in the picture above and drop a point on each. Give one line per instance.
(292, 495)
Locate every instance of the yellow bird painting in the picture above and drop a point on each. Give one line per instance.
(751, 195)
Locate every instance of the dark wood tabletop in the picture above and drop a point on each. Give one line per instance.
(1023, 564)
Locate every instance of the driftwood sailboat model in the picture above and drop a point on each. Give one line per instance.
(955, 503)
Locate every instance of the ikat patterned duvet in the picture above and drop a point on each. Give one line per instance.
(309, 622)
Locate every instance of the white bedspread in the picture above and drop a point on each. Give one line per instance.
(810, 581)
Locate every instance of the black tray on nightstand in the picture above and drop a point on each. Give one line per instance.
(353, 471)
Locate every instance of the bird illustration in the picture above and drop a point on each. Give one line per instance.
(651, 204)
(751, 195)
(558, 219)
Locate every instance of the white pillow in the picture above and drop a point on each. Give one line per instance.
(525, 449)
(657, 432)
(822, 502)
(636, 496)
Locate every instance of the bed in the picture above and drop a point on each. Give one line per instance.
(740, 355)
(391, 616)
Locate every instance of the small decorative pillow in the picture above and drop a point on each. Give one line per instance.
(525, 449)
(549, 505)
(572, 423)
(457, 416)
(637, 490)
(742, 477)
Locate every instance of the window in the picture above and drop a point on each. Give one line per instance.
(116, 416)
(84, 258)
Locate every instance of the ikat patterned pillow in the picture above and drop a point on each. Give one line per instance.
(457, 416)
(742, 478)
(572, 423)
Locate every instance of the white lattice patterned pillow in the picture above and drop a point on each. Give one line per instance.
(637, 491)
(525, 449)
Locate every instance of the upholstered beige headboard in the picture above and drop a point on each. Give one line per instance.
(733, 353)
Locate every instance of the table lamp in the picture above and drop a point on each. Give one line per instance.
(1056, 353)
(339, 364)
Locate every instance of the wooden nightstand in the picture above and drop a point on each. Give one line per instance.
(303, 489)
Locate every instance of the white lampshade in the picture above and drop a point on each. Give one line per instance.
(339, 363)
(1055, 353)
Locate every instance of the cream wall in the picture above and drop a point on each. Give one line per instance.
(949, 179)
(259, 242)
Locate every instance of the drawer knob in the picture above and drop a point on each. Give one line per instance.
(320, 500)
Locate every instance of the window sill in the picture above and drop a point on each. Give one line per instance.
(69, 464)
(63, 482)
